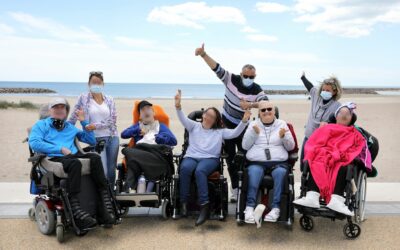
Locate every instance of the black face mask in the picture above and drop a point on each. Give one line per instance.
(58, 124)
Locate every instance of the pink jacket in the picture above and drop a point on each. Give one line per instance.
(329, 148)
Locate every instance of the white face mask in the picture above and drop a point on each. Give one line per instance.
(247, 82)
(326, 95)
(96, 89)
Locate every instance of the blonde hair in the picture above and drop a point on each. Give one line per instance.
(336, 86)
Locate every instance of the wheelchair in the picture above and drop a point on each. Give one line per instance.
(51, 208)
(267, 184)
(161, 194)
(217, 184)
(356, 176)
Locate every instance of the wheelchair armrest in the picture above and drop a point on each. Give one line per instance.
(124, 145)
(36, 157)
(224, 156)
(293, 157)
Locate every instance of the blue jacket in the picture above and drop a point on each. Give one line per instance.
(164, 136)
(46, 139)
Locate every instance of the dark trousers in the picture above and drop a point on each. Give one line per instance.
(72, 166)
(340, 182)
(230, 147)
(302, 154)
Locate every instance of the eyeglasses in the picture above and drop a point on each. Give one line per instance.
(95, 73)
(246, 76)
(263, 110)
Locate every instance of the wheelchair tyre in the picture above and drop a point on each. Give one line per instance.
(359, 215)
(60, 233)
(306, 223)
(351, 230)
(166, 209)
(45, 218)
(31, 214)
(123, 211)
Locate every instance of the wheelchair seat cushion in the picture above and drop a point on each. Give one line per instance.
(57, 168)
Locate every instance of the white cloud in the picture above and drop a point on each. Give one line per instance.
(270, 7)
(57, 30)
(6, 29)
(135, 42)
(195, 14)
(248, 29)
(262, 38)
(346, 18)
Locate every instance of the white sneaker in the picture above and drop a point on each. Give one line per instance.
(258, 212)
(310, 200)
(249, 215)
(273, 215)
(337, 204)
(234, 194)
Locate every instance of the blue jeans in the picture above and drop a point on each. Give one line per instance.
(202, 168)
(255, 176)
(109, 157)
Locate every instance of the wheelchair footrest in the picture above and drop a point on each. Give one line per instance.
(138, 200)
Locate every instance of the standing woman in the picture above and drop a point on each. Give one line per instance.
(100, 111)
(324, 102)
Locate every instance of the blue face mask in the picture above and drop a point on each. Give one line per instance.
(96, 89)
(326, 95)
(247, 82)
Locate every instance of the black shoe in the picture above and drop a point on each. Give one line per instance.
(183, 210)
(108, 215)
(83, 220)
(204, 214)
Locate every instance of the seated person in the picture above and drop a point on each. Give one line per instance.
(55, 138)
(329, 151)
(267, 141)
(151, 138)
(203, 153)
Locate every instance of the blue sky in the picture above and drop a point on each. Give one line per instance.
(154, 41)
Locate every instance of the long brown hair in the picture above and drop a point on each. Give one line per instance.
(218, 118)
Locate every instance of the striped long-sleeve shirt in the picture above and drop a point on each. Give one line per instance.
(234, 92)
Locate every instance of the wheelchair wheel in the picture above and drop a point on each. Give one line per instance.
(351, 230)
(45, 218)
(123, 211)
(359, 215)
(60, 233)
(306, 223)
(166, 209)
(31, 214)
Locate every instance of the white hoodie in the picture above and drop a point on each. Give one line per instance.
(255, 144)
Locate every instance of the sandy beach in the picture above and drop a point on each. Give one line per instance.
(380, 115)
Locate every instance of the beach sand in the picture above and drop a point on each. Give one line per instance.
(380, 115)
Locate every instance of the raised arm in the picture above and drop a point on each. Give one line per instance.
(306, 82)
(233, 133)
(186, 122)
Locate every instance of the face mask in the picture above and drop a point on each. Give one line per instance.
(247, 82)
(326, 95)
(97, 89)
(58, 124)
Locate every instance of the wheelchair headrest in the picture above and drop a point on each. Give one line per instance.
(196, 115)
(159, 114)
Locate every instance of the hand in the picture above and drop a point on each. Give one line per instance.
(245, 104)
(321, 124)
(200, 51)
(303, 74)
(90, 127)
(143, 132)
(65, 151)
(80, 114)
(256, 129)
(282, 132)
(178, 98)
(246, 116)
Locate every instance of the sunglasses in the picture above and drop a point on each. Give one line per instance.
(263, 110)
(246, 76)
(96, 73)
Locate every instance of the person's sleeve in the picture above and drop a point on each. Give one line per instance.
(288, 140)
(222, 74)
(249, 138)
(307, 83)
(86, 136)
(37, 142)
(261, 96)
(166, 137)
(186, 122)
(131, 132)
(73, 118)
(111, 120)
(233, 133)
